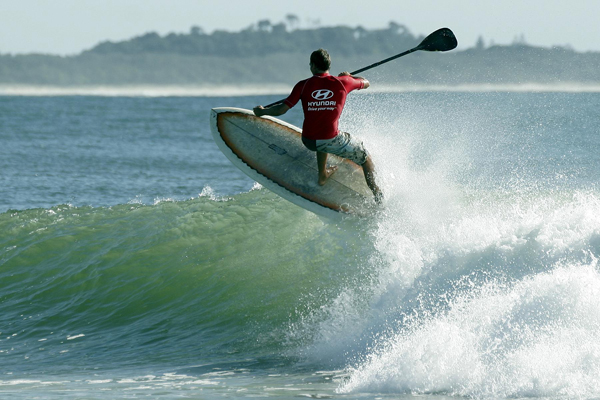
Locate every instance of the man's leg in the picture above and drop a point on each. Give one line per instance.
(369, 170)
(324, 172)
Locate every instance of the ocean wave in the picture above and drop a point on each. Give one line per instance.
(488, 296)
(207, 274)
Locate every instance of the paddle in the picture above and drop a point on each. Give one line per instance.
(441, 40)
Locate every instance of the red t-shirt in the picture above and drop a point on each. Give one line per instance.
(323, 97)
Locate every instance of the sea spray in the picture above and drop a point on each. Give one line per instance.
(536, 337)
(497, 301)
(472, 287)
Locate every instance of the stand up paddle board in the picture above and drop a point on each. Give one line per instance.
(270, 151)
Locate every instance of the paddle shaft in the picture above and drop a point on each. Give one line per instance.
(386, 60)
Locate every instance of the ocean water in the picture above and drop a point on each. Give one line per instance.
(137, 262)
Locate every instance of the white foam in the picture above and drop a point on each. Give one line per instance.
(536, 335)
(539, 337)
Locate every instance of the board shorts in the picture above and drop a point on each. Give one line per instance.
(343, 145)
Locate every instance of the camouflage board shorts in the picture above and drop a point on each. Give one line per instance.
(343, 145)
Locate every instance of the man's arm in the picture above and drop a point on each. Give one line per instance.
(366, 83)
(274, 111)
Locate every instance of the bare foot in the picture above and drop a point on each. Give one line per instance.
(328, 172)
(378, 197)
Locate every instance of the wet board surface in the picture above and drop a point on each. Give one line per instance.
(270, 151)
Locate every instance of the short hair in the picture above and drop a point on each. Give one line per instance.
(321, 59)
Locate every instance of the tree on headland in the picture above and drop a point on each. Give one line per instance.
(196, 31)
(264, 25)
(519, 40)
(480, 45)
(292, 21)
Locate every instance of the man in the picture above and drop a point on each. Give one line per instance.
(323, 97)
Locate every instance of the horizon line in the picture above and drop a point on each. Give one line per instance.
(276, 89)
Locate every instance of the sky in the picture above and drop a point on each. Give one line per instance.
(67, 27)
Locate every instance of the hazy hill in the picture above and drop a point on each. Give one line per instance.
(267, 53)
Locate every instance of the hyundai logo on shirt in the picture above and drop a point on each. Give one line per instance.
(322, 94)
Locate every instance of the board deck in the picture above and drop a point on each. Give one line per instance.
(270, 151)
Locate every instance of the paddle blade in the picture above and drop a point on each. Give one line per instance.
(441, 40)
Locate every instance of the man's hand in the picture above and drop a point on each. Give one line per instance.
(259, 111)
(274, 111)
(366, 83)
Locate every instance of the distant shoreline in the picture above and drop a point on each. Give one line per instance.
(263, 90)
(253, 60)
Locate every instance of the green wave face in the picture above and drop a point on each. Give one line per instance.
(135, 284)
